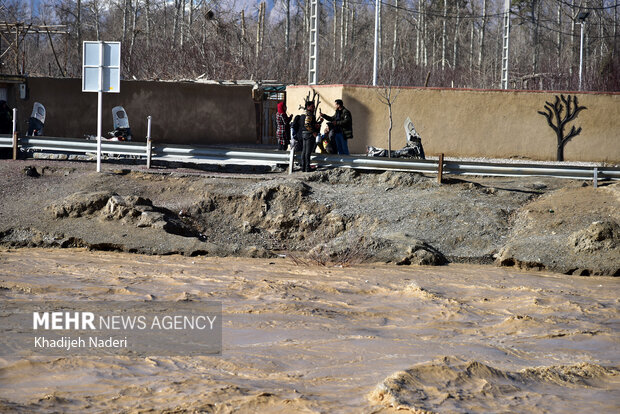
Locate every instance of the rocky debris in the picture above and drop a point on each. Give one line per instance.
(31, 171)
(80, 204)
(599, 235)
(334, 176)
(151, 219)
(422, 254)
(134, 210)
(132, 207)
(399, 248)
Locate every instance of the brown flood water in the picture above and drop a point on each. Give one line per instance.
(300, 338)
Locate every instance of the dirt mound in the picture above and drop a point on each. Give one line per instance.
(80, 204)
(599, 235)
(451, 385)
(562, 232)
(351, 176)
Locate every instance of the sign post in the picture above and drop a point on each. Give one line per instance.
(101, 71)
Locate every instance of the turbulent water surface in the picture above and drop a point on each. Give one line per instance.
(304, 338)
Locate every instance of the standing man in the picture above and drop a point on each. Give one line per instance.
(343, 126)
(6, 118)
(309, 134)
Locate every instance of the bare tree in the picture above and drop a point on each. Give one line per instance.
(562, 111)
(388, 94)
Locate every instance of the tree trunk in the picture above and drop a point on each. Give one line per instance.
(335, 34)
(123, 36)
(147, 5)
(395, 37)
(559, 37)
(471, 40)
(443, 35)
(535, 15)
(175, 26)
(390, 128)
(134, 18)
(287, 31)
(78, 23)
(182, 26)
(343, 29)
(482, 33)
(380, 37)
(456, 36)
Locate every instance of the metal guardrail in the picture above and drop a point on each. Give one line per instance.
(210, 155)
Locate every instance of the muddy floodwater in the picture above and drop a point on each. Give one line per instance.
(304, 338)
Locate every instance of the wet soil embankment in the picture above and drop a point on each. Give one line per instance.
(335, 216)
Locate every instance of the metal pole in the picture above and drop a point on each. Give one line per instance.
(595, 180)
(581, 53)
(506, 44)
(149, 144)
(376, 52)
(14, 133)
(99, 106)
(313, 55)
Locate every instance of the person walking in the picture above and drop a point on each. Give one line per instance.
(309, 134)
(6, 118)
(283, 127)
(343, 126)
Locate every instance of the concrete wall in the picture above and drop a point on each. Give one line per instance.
(183, 113)
(477, 123)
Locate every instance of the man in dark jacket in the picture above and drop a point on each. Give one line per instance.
(343, 126)
(309, 133)
(6, 118)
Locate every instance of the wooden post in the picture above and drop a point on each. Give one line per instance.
(15, 141)
(440, 169)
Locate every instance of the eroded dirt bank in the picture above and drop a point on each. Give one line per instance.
(312, 339)
(338, 216)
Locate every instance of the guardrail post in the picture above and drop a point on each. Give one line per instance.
(15, 138)
(440, 169)
(291, 160)
(595, 181)
(149, 143)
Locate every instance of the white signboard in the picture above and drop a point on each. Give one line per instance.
(101, 67)
(101, 72)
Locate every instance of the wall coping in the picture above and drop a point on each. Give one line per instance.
(458, 89)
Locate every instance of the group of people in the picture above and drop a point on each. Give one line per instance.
(304, 132)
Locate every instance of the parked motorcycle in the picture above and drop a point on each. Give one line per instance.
(36, 120)
(121, 132)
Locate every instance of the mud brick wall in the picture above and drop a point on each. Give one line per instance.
(474, 123)
(182, 112)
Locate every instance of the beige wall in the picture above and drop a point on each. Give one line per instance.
(187, 113)
(475, 122)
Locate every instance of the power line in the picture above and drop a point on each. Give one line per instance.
(587, 7)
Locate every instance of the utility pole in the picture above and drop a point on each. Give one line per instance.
(313, 56)
(506, 44)
(581, 17)
(374, 69)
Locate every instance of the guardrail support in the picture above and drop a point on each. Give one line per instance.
(440, 169)
(15, 138)
(291, 160)
(595, 181)
(149, 143)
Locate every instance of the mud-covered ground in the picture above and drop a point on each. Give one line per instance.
(334, 216)
(371, 338)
